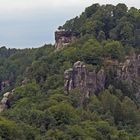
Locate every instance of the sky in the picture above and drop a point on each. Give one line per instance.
(32, 23)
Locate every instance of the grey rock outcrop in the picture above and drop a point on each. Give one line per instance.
(5, 103)
(130, 71)
(64, 38)
(86, 81)
(90, 82)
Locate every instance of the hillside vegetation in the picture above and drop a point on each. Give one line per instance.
(40, 110)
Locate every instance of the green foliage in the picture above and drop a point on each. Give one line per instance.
(40, 110)
(114, 50)
(63, 114)
(108, 22)
(10, 130)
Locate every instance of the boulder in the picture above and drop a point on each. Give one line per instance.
(5, 103)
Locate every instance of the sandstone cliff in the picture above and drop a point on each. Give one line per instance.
(90, 82)
(79, 77)
(64, 38)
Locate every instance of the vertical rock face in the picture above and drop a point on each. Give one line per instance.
(68, 85)
(87, 82)
(130, 72)
(90, 82)
(63, 38)
(130, 69)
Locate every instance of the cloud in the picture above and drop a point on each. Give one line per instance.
(23, 5)
(31, 23)
(18, 8)
(38, 3)
(129, 3)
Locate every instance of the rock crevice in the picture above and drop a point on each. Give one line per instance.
(88, 82)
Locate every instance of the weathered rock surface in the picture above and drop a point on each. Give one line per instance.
(63, 38)
(130, 72)
(130, 69)
(87, 82)
(5, 103)
(90, 82)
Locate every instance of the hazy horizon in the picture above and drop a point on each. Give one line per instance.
(31, 23)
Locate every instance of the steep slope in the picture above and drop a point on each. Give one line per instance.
(40, 109)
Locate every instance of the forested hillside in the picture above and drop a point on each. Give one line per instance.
(108, 37)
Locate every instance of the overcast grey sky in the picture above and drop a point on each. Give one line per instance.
(31, 23)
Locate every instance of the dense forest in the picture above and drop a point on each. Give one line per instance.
(39, 109)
